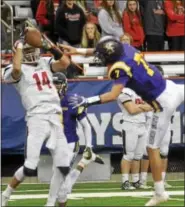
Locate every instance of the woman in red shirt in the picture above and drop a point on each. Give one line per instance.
(175, 23)
(132, 23)
(45, 17)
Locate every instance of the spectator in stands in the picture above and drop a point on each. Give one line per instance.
(70, 20)
(45, 17)
(154, 24)
(34, 5)
(90, 10)
(126, 38)
(90, 36)
(132, 23)
(110, 20)
(175, 23)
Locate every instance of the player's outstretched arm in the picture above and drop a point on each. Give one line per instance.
(77, 101)
(69, 50)
(112, 95)
(17, 59)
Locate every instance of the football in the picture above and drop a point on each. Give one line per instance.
(33, 37)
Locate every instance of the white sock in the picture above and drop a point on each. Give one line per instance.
(135, 178)
(74, 175)
(8, 191)
(125, 177)
(56, 181)
(159, 187)
(163, 175)
(143, 177)
(19, 174)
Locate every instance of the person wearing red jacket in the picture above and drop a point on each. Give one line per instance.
(175, 23)
(132, 23)
(45, 17)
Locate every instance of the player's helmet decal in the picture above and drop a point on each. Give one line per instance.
(109, 50)
(30, 54)
(60, 81)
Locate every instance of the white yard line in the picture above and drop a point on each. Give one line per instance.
(90, 182)
(96, 195)
(86, 189)
(172, 199)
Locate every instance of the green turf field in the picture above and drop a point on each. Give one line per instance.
(95, 194)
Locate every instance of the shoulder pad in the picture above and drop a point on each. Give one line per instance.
(119, 68)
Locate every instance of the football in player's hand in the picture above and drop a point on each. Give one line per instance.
(33, 37)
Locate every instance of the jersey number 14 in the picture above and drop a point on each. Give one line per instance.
(41, 81)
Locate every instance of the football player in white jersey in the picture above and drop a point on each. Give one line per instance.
(134, 135)
(164, 149)
(32, 77)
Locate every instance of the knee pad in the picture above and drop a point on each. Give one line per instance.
(29, 172)
(64, 170)
(128, 156)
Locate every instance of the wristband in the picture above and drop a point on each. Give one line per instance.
(93, 100)
(56, 53)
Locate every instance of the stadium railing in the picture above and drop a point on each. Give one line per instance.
(171, 62)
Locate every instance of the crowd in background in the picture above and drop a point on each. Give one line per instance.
(147, 24)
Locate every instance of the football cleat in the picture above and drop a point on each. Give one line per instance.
(136, 185)
(4, 200)
(90, 156)
(157, 199)
(127, 186)
(99, 160)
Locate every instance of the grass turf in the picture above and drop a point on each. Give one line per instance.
(86, 199)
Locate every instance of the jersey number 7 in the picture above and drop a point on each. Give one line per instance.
(44, 80)
(140, 60)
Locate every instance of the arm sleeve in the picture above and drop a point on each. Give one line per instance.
(7, 75)
(60, 22)
(87, 131)
(106, 23)
(41, 13)
(168, 6)
(120, 73)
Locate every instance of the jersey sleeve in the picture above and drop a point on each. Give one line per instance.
(125, 97)
(48, 62)
(120, 72)
(7, 74)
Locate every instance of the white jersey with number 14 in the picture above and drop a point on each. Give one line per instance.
(36, 88)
